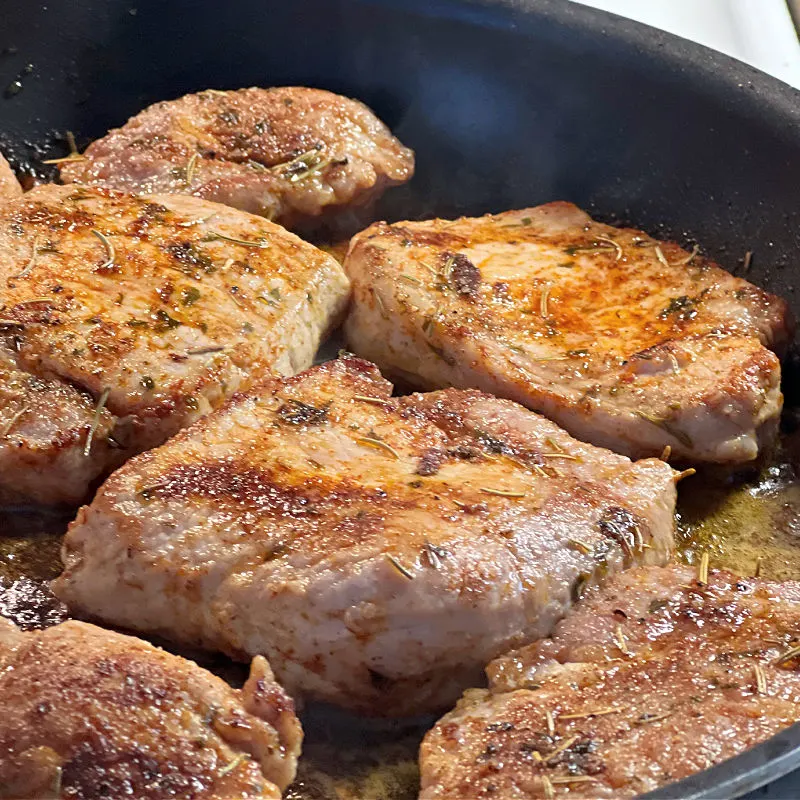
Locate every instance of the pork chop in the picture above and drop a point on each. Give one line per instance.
(655, 676)
(380, 551)
(288, 153)
(10, 188)
(44, 430)
(88, 713)
(625, 341)
(157, 309)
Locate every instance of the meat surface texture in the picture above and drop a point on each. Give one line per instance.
(88, 713)
(289, 154)
(651, 678)
(379, 551)
(45, 425)
(625, 341)
(10, 188)
(140, 315)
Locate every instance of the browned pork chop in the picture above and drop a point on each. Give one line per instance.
(157, 309)
(378, 550)
(289, 153)
(10, 188)
(650, 679)
(88, 713)
(627, 342)
(44, 428)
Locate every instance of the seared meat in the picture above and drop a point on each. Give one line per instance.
(378, 550)
(44, 425)
(87, 713)
(650, 679)
(628, 342)
(157, 309)
(10, 187)
(288, 154)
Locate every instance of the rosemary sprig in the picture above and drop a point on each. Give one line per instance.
(368, 441)
(757, 570)
(547, 785)
(32, 263)
(581, 545)
(399, 567)
(566, 456)
(747, 261)
(501, 492)
(110, 253)
(572, 779)
(96, 420)
(551, 723)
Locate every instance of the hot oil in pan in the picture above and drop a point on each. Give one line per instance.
(743, 518)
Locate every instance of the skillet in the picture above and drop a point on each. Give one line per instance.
(507, 103)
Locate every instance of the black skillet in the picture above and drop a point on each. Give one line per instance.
(507, 102)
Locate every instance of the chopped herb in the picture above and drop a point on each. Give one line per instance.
(110, 254)
(757, 570)
(13, 421)
(411, 279)
(164, 322)
(543, 309)
(30, 265)
(190, 295)
(259, 243)
(547, 786)
(615, 245)
(761, 679)
(702, 572)
(399, 567)
(204, 351)
(434, 554)
(667, 427)
(368, 441)
(296, 412)
(790, 655)
(580, 545)
(275, 294)
(747, 261)
(501, 492)
(191, 166)
(551, 723)
(231, 765)
(619, 637)
(565, 745)
(96, 420)
(595, 712)
(378, 401)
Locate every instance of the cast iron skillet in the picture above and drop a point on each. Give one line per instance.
(507, 103)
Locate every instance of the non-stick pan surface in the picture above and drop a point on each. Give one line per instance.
(508, 103)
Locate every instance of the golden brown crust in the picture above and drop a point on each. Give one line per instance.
(650, 679)
(378, 550)
(170, 304)
(288, 153)
(621, 339)
(88, 713)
